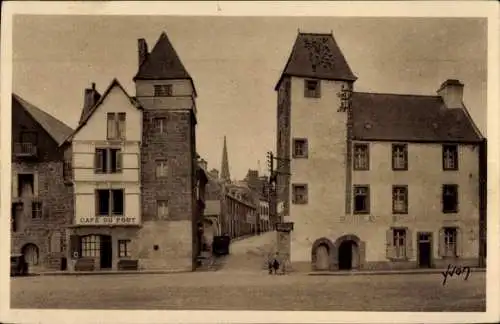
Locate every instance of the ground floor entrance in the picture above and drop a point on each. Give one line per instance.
(348, 255)
(424, 250)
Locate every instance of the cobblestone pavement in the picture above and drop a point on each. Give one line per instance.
(251, 291)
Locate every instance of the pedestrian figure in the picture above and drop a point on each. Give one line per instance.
(270, 266)
(276, 264)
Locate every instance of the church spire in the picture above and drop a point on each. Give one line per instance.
(224, 171)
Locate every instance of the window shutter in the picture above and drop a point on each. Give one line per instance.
(294, 195)
(119, 161)
(318, 89)
(389, 253)
(96, 205)
(306, 148)
(98, 161)
(44, 210)
(460, 242)
(14, 184)
(441, 242)
(409, 244)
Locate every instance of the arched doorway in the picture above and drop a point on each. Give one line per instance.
(322, 254)
(322, 257)
(31, 255)
(350, 252)
(347, 249)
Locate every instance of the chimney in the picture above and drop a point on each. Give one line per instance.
(143, 50)
(90, 98)
(452, 92)
(214, 173)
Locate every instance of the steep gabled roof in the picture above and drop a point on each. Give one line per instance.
(394, 117)
(58, 130)
(317, 56)
(162, 63)
(85, 119)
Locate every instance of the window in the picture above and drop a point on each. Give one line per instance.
(91, 246)
(312, 89)
(161, 169)
(162, 209)
(163, 90)
(450, 157)
(110, 202)
(450, 198)
(116, 126)
(160, 125)
(36, 210)
(399, 199)
(300, 195)
(361, 157)
(123, 248)
(399, 243)
(450, 242)
(28, 137)
(361, 199)
(399, 157)
(108, 160)
(300, 148)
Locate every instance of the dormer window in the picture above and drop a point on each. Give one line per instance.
(312, 89)
(163, 90)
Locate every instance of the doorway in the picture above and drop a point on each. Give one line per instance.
(424, 250)
(106, 252)
(346, 250)
(30, 252)
(322, 257)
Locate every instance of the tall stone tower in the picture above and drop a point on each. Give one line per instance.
(313, 143)
(224, 170)
(167, 94)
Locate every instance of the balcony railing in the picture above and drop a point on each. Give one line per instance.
(25, 150)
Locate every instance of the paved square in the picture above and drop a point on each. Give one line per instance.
(251, 291)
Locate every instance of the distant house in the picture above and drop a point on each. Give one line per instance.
(42, 198)
(376, 180)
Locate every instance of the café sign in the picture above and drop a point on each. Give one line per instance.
(116, 220)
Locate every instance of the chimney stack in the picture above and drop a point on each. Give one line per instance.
(90, 98)
(143, 50)
(452, 92)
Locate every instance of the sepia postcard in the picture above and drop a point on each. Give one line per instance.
(249, 162)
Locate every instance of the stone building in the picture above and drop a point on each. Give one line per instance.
(138, 186)
(376, 180)
(42, 199)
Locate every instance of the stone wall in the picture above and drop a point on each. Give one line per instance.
(47, 233)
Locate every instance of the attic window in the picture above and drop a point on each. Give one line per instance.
(163, 90)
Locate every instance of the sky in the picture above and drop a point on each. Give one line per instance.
(235, 63)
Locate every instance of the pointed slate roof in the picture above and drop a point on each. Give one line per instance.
(85, 118)
(317, 56)
(399, 117)
(224, 173)
(162, 63)
(58, 130)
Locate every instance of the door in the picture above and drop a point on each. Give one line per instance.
(322, 258)
(345, 255)
(424, 250)
(106, 252)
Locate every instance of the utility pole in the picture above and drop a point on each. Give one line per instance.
(273, 182)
